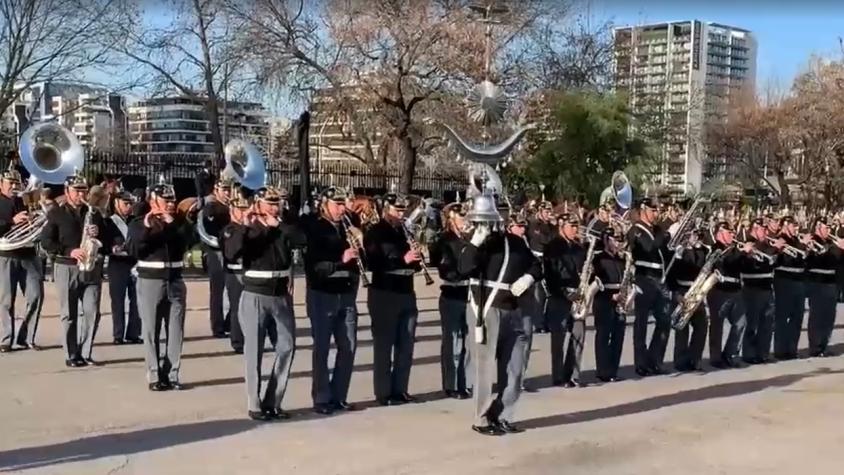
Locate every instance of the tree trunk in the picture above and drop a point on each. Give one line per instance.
(407, 163)
(213, 113)
(785, 193)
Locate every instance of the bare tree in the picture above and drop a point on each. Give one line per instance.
(195, 55)
(53, 40)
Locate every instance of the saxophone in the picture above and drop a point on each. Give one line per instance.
(585, 292)
(90, 245)
(703, 283)
(627, 288)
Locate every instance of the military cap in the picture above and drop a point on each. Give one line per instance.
(76, 181)
(396, 201)
(163, 191)
(725, 225)
(336, 194)
(647, 202)
(271, 194)
(458, 208)
(613, 232)
(125, 196)
(239, 200)
(518, 218)
(567, 218)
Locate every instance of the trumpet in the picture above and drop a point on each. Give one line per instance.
(790, 250)
(355, 240)
(756, 253)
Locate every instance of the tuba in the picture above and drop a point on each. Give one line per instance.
(50, 153)
(245, 165)
(619, 193)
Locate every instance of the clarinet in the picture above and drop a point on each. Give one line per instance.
(355, 243)
(414, 245)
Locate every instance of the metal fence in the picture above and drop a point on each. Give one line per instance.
(137, 170)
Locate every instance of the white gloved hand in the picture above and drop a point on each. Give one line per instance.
(482, 232)
(521, 285)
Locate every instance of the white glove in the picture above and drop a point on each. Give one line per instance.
(521, 285)
(479, 236)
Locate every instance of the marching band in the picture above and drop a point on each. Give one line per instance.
(505, 274)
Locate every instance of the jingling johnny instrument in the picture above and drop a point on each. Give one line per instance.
(245, 164)
(50, 153)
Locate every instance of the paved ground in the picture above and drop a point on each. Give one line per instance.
(783, 418)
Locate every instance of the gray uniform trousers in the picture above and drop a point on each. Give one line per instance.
(565, 361)
(538, 311)
(500, 356)
(394, 318)
(759, 305)
(332, 315)
(217, 287)
(253, 311)
(121, 283)
(725, 306)
(234, 287)
(74, 288)
(26, 273)
(456, 360)
(654, 299)
(691, 340)
(789, 307)
(162, 304)
(823, 299)
(610, 327)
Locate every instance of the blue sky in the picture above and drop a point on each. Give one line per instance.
(787, 32)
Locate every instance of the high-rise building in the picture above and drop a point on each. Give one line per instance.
(679, 76)
(180, 126)
(95, 115)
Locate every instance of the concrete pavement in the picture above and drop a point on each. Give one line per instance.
(780, 418)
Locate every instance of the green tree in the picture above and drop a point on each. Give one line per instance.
(589, 139)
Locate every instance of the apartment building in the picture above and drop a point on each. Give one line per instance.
(685, 74)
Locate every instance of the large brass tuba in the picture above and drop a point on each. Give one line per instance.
(245, 165)
(50, 153)
(620, 195)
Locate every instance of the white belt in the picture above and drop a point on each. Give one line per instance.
(536, 253)
(234, 266)
(401, 272)
(725, 278)
(823, 271)
(459, 283)
(795, 270)
(339, 273)
(612, 286)
(267, 274)
(685, 283)
(160, 265)
(490, 284)
(769, 275)
(649, 265)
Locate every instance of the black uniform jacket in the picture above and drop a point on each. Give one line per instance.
(265, 250)
(539, 234)
(730, 267)
(63, 231)
(758, 272)
(686, 268)
(820, 267)
(563, 260)
(386, 246)
(484, 263)
(324, 267)
(114, 237)
(788, 267)
(159, 248)
(9, 207)
(649, 247)
(216, 217)
(609, 269)
(231, 243)
(455, 284)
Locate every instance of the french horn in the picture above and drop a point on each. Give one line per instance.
(50, 153)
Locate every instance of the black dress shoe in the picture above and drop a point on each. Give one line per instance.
(464, 394)
(324, 409)
(91, 362)
(72, 363)
(5, 348)
(134, 341)
(177, 386)
(718, 364)
(829, 353)
(573, 383)
(259, 416)
(385, 401)
(158, 386)
(220, 335)
(509, 428)
(643, 372)
(238, 351)
(616, 379)
(488, 430)
(344, 406)
(119, 341)
(528, 388)
(31, 346)
(404, 398)
(656, 370)
(277, 415)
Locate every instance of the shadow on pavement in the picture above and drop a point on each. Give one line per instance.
(667, 400)
(123, 443)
